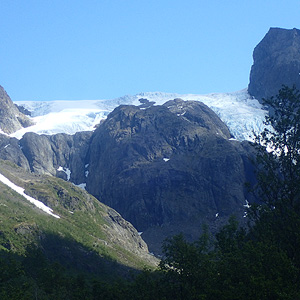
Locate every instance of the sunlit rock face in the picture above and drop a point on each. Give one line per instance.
(276, 61)
(11, 119)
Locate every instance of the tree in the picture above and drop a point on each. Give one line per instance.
(278, 147)
(277, 218)
(189, 267)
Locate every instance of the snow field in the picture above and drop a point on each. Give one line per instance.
(238, 110)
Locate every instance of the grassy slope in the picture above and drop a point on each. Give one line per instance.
(83, 238)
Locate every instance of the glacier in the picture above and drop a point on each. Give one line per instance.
(238, 110)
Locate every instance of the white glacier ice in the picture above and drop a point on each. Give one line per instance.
(238, 110)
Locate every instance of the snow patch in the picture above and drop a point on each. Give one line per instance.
(66, 171)
(20, 191)
(81, 185)
(247, 205)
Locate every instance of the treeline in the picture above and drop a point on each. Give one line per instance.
(234, 265)
(261, 261)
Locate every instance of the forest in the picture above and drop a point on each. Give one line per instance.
(259, 261)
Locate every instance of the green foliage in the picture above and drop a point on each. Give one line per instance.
(277, 219)
(278, 148)
(190, 267)
(84, 227)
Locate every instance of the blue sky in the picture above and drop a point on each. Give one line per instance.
(75, 50)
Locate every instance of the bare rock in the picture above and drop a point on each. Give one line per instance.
(276, 62)
(11, 119)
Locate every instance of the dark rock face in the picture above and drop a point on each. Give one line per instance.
(10, 150)
(168, 169)
(276, 62)
(11, 119)
(43, 154)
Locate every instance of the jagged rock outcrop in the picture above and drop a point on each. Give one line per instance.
(276, 61)
(11, 119)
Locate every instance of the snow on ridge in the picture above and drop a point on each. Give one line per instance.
(238, 110)
(20, 191)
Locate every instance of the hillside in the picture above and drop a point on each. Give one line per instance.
(88, 236)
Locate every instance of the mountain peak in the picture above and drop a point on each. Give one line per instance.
(276, 62)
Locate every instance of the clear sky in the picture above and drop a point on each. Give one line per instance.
(102, 49)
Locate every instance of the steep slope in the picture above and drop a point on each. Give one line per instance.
(11, 119)
(276, 61)
(87, 236)
(48, 154)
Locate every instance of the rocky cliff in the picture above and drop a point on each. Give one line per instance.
(11, 119)
(276, 61)
(168, 169)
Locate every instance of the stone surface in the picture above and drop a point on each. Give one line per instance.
(169, 169)
(47, 154)
(11, 119)
(276, 61)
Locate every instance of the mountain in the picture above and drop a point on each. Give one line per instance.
(169, 169)
(276, 61)
(166, 168)
(67, 224)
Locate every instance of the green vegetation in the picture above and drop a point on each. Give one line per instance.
(259, 262)
(84, 239)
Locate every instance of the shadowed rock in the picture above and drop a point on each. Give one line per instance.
(276, 62)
